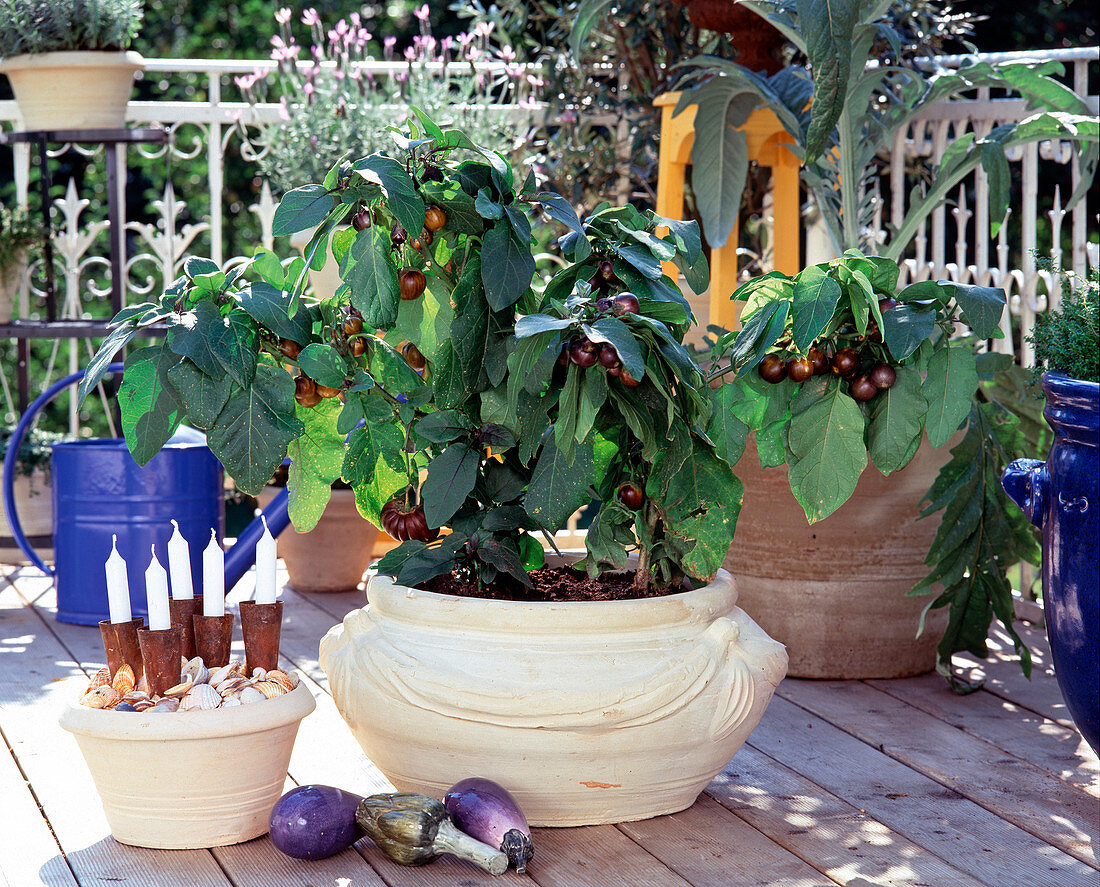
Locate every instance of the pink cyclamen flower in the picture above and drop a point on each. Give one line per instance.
(421, 12)
(310, 17)
(282, 16)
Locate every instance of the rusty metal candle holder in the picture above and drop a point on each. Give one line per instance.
(181, 613)
(160, 656)
(120, 643)
(213, 637)
(261, 625)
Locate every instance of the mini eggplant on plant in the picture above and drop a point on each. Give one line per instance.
(414, 829)
(487, 811)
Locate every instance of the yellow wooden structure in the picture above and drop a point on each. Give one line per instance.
(766, 137)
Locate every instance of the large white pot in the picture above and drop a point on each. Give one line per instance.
(34, 502)
(72, 90)
(590, 712)
(184, 781)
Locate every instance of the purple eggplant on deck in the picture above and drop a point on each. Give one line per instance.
(487, 811)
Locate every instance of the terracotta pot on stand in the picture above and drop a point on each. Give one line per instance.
(334, 555)
(757, 42)
(835, 592)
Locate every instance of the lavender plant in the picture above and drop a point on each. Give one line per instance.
(332, 105)
(29, 27)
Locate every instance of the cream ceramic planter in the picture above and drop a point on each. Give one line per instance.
(34, 502)
(184, 781)
(335, 554)
(835, 592)
(588, 713)
(72, 90)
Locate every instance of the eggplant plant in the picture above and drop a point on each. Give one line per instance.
(835, 368)
(445, 385)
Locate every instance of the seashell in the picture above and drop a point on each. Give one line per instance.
(99, 679)
(135, 696)
(230, 701)
(202, 697)
(142, 684)
(168, 703)
(102, 697)
(249, 695)
(233, 669)
(270, 689)
(196, 670)
(181, 689)
(259, 674)
(124, 706)
(231, 686)
(124, 679)
(287, 681)
(143, 704)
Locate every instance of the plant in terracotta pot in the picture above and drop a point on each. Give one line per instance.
(347, 539)
(836, 368)
(472, 414)
(1060, 494)
(20, 234)
(68, 60)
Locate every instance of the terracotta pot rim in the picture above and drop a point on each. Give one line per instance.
(257, 717)
(85, 58)
(553, 617)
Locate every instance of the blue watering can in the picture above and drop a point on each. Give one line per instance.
(100, 491)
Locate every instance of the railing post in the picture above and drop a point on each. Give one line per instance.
(214, 161)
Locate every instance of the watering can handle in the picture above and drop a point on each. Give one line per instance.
(237, 562)
(10, 458)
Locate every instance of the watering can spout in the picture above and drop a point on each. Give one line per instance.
(242, 555)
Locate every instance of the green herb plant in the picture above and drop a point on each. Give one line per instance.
(440, 383)
(34, 449)
(834, 368)
(1067, 339)
(30, 27)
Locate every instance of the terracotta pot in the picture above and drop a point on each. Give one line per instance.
(834, 592)
(34, 502)
(326, 281)
(184, 781)
(757, 42)
(590, 712)
(9, 284)
(335, 554)
(72, 90)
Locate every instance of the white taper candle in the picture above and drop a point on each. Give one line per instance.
(118, 585)
(156, 594)
(213, 578)
(265, 567)
(179, 566)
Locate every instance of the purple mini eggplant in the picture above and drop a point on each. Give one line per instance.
(314, 821)
(487, 811)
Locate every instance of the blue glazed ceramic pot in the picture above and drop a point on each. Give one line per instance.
(1060, 497)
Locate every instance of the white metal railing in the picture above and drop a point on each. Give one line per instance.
(214, 122)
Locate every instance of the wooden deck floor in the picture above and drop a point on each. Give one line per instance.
(851, 783)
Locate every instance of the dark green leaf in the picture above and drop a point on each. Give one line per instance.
(815, 298)
(618, 334)
(533, 324)
(403, 199)
(507, 267)
(897, 422)
(728, 432)
(559, 486)
(197, 335)
(557, 207)
(237, 345)
(462, 215)
(202, 396)
(905, 326)
(444, 426)
(375, 466)
(368, 269)
(97, 367)
(270, 308)
(323, 364)
(982, 307)
(451, 478)
(151, 411)
(300, 209)
(316, 455)
(948, 388)
(253, 431)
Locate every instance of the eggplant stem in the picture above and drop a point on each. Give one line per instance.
(450, 840)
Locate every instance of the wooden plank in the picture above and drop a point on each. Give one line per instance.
(596, 856)
(1002, 675)
(37, 679)
(954, 828)
(1014, 789)
(1058, 750)
(710, 847)
(33, 855)
(844, 842)
(258, 864)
